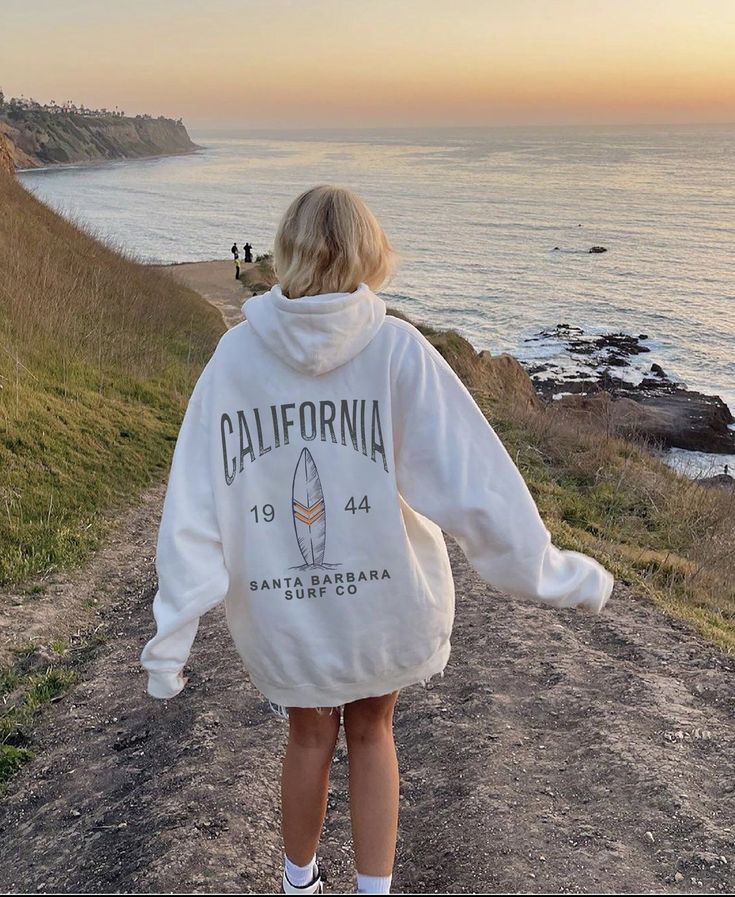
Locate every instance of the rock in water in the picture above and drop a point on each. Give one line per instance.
(597, 249)
(671, 418)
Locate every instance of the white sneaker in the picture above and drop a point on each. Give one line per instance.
(315, 886)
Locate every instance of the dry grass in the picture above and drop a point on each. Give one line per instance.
(98, 356)
(667, 535)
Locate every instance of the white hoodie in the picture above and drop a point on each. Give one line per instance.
(324, 449)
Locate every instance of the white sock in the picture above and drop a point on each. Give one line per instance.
(300, 876)
(373, 884)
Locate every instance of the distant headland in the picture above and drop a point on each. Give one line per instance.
(39, 134)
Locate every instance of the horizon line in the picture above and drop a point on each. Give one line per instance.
(630, 124)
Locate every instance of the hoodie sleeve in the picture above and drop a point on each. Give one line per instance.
(452, 468)
(192, 576)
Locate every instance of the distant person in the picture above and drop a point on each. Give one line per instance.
(235, 251)
(237, 267)
(333, 619)
(248, 250)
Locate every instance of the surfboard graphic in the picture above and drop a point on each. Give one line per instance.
(309, 513)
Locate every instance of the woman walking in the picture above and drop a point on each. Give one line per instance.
(324, 449)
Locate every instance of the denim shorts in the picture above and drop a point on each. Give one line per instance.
(281, 712)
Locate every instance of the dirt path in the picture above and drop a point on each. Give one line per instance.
(561, 753)
(64, 605)
(539, 763)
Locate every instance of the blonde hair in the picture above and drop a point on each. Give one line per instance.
(329, 241)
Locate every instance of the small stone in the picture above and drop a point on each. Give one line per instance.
(678, 877)
(649, 837)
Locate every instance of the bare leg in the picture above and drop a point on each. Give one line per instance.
(312, 738)
(374, 782)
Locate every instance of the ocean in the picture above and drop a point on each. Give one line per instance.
(493, 225)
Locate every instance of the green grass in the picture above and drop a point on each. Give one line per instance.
(24, 693)
(34, 682)
(11, 760)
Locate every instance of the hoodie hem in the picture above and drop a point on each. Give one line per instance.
(335, 696)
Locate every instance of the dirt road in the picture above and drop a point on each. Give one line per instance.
(562, 752)
(553, 746)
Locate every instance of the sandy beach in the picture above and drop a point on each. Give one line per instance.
(215, 281)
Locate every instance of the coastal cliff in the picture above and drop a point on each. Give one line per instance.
(36, 138)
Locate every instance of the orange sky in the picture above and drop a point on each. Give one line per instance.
(372, 63)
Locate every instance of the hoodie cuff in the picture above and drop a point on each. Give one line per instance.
(607, 584)
(165, 685)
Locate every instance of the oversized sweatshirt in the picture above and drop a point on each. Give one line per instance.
(324, 449)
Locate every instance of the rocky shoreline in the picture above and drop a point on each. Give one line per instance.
(604, 375)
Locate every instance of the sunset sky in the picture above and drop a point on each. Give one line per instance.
(373, 63)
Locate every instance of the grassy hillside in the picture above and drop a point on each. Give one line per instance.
(98, 356)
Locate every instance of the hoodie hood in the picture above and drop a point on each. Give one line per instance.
(315, 334)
